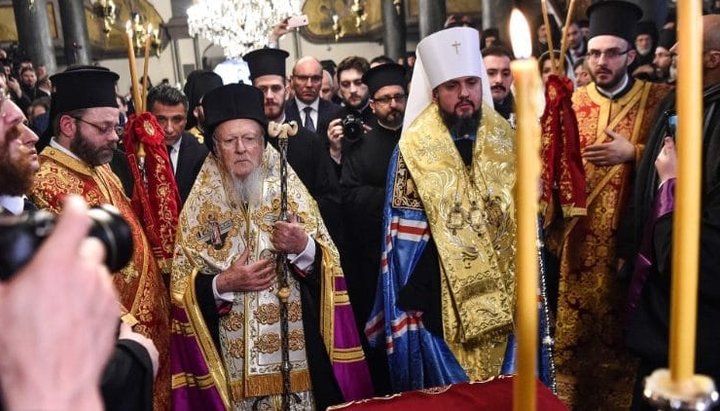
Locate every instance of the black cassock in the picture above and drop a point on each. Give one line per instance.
(362, 182)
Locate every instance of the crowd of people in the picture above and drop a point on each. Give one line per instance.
(392, 267)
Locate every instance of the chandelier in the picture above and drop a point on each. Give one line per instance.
(238, 26)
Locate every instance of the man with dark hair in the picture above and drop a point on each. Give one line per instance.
(170, 106)
(615, 112)
(354, 95)
(28, 81)
(449, 193)
(648, 330)
(307, 154)
(84, 116)
(199, 82)
(577, 44)
(497, 63)
(364, 173)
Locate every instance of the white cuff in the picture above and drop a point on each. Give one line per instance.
(227, 297)
(306, 258)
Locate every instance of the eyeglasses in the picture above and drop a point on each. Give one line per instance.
(248, 141)
(105, 128)
(304, 79)
(610, 54)
(384, 101)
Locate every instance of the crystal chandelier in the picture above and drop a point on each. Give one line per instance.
(238, 26)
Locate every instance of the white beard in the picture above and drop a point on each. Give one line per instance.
(250, 189)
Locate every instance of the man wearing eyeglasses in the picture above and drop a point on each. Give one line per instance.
(614, 113)
(84, 116)
(364, 173)
(225, 279)
(307, 108)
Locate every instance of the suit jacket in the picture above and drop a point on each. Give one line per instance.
(327, 112)
(190, 159)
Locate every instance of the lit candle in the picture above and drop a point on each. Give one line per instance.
(133, 69)
(527, 139)
(686, 233)
(146, 63)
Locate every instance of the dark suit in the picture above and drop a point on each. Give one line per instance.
(327, 112)
(190, 159)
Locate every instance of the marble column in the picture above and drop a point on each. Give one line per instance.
(75, 32)
(432, 16)
(394, 33)
(31, 19)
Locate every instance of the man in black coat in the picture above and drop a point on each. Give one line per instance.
(364, 173)
(169, 105)
(649, 306)
(306, 152)
(307, 108)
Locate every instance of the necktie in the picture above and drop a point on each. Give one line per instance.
(308, 119)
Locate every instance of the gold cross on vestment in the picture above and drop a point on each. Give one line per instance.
(456, 45)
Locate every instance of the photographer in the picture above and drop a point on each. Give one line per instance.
(356, 117)
(46, 363)
(128, 377)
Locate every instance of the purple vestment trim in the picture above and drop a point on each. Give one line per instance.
(186, 362)
(662, 205)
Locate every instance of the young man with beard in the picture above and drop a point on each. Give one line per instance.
(170, 106)
(306, 153)
(84, 116)
(225, 279)
(497, 62)
(354, 94)
(364, 174)
(448, 223)
(614, 113)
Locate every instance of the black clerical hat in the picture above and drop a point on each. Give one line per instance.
(199, 83)
(231, 102)
(266, 61)
(389, 74)
(614, 18)
(80, 87)
(667, 38)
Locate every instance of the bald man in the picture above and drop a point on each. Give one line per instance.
(307, 108)
(649, 303)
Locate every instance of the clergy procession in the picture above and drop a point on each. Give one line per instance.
(520, 214)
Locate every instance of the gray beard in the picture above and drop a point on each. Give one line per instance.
(250, 189)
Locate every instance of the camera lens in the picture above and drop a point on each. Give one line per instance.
(20, 237)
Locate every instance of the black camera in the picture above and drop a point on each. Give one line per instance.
(21, 235)
(352, 127)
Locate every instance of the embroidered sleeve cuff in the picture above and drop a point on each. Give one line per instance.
(306, 258)
(227, 297)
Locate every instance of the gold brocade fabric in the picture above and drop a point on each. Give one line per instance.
(594, 370)
(140, 286)
(477, 259)
(215, 227)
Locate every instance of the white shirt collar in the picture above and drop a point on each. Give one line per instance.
(315, 105)
(611, 95)
(13, 204)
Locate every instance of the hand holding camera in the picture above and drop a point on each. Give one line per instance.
(59, 320)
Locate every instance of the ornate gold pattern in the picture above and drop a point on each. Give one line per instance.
(267, 313)
(233, 321)
(236, 348)
(594, 370)
(296, 340)
(268, 343)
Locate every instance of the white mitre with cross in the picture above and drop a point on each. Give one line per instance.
(443, 56)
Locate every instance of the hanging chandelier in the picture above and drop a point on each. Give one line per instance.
(238, 26)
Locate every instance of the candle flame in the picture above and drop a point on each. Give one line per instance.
(149, 28)
(520, 35)
(128, 26)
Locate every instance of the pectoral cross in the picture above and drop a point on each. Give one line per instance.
(456, 45)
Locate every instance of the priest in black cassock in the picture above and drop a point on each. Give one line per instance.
(364, 172)
(306, 152)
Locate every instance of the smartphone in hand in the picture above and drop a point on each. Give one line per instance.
(671, 123)
(297, 21)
